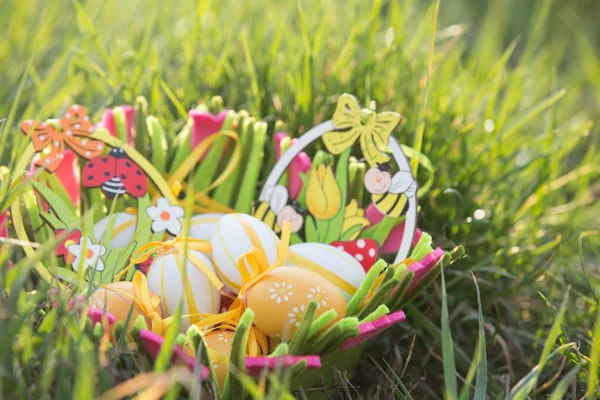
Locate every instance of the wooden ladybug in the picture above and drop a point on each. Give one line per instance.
(117, 174)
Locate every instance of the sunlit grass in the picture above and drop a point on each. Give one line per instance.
(508, 122)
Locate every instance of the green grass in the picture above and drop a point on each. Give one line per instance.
(508, 119)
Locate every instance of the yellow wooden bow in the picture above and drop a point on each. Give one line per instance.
(353, 124)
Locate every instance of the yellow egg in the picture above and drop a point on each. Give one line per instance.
(165, 278)
(333, 264)
(123, 229)
(235, 235)
(280, 299)
(219, 345)
(118, 297)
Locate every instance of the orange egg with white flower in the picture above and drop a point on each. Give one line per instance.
(281, 298)
(120, 297)
(218, 344)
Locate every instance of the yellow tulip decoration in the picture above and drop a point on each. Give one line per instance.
(354, 221)
(323, 197)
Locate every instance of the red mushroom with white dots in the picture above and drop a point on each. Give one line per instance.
(365, 251)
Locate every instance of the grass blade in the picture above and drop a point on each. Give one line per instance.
(448, 347)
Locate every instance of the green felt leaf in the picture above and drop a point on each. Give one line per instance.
(233, 388)
(51, 220)
(301, 336)
(182, 146)
(194, 335)
(120, 124)
(206, 172)
(143, 228)
(322, 321)
(310, 230)
(350, 232)
(378, 313)
(365, 286)
(247, 193)
(158, 143)
(111, 261)
(62, 210)
(57, 187)
(141, 128)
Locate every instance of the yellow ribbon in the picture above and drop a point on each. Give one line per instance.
(177, 247)
(407, 262)
(305, 263)
(373, 130)
(257, 341)
(144, 300)
(192, 160)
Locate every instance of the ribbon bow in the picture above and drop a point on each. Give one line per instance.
(147, 301)
(76, 129)
(353, 124)
(177, 245)
(259, 267)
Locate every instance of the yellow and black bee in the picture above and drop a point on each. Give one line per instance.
(390, 193)
(272, 210)
(262, 210)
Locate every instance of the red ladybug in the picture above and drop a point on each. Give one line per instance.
(117, 174)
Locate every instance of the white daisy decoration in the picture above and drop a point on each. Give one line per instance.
(296, 315)
(319, 295)
(165, 217)
(280, 292)
(87, 254)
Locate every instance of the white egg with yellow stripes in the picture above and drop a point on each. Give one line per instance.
(234, 236)
(197, 292)
(333, 264)
(122, 226)
(202, 226)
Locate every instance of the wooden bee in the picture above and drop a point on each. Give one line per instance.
(390, 193)
(273, 211)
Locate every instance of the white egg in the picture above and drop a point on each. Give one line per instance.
(235, 235)
(335, 265)
(164, 279)
(202, 226)
(123, 230)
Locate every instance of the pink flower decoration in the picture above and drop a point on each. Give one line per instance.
(421, 268)
(108, 122)
(95, 315)
(300, 165)
(68, 175)
(61, 249)
(205, 125)
(373, 328)
(154, 342)
(254, 365)
(3, 225)
(392, 242)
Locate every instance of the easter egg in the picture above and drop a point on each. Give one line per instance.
(235, 235)
(198, 293)
(335, 265)
(280, 299)
(123, 229)
(219, 348)
(202, 226)
(117, 298)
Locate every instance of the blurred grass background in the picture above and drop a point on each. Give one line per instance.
(511, 126)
